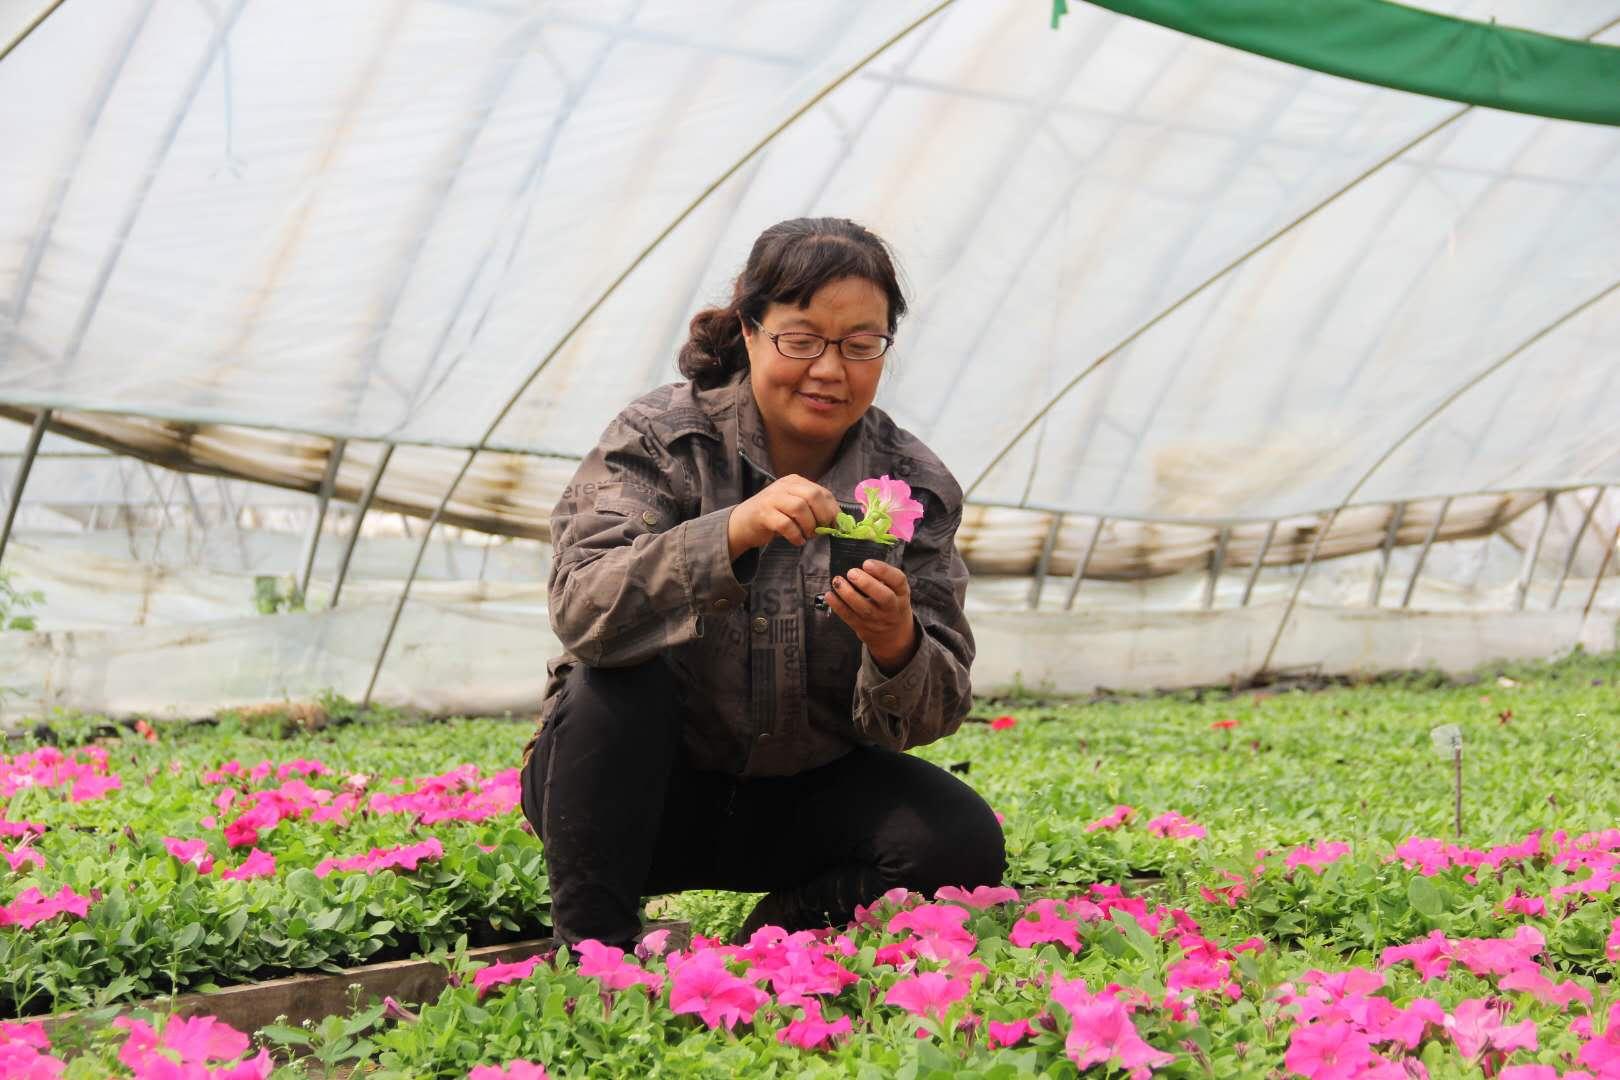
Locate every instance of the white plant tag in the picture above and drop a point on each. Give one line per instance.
(1447, 739)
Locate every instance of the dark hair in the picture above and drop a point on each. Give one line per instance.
(789, 262)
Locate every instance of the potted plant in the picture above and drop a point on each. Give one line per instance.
(890, 514)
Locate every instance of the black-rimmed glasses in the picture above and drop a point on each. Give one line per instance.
(801, 345)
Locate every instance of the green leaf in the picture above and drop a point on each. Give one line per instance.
(1425, 899)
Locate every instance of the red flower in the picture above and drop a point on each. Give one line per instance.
(1002, 723)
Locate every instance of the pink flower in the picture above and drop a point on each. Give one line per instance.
(897, 897)
(203, 1039)
(1116, 817)
(702, 984)
(927, 995)
(939, 929)
(1544, 989)
(1475, 1026)
(1172, 825)
(193, 853)
(1602, 1052)
(1429, 857)
(607, 964)
(810, 1031)
(1430, 955)
(1521, 904)
(1101, 1030)
(1328, 1050)
(22, 857)
(892, 497)
(1530, 1072)
(652, 944)
(1500, 956)
(1045, 925)
(1009, 1034)
(1002, 723)
(1224, 725)
(33, 907)
(403, 857)
(497, 974)
(258, 864)
(512, 1070)
(87, 788)
(1317, 858)
(981, 897)
(1612, 948)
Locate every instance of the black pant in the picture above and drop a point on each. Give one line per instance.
(622, 817)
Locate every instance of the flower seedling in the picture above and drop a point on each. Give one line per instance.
(890, 513)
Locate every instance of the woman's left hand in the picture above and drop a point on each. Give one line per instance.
(876, 603)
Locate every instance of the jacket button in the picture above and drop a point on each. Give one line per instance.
(761, 625)
(903, 468)
(722, 604)
(889, 701)
(649, 518)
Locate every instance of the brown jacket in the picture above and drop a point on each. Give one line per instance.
(773, 686)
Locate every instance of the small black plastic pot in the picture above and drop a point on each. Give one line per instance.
(847, 554)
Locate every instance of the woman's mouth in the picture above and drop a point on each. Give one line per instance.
(820, 402)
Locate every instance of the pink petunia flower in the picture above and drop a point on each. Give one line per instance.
(1476, 1026)
(1116, 817)
(1009, 1034)
(1041, 922)
(1002, 723)
(1612, 946)
(702, 984)
(193, 853)
(1544, 989)
(1328, 1050)
(940, 932)
(512, 1070)
(21, 857)
(1521, 904)
(402, 857)
(1101, 1030)
(1172, 825)
(982, 896)
(486, 978)
(927, 995)
(33, 907)
(892, 497)
(810, 1031)
(608, 965)
(1318, 857)
(88, 788)
(258, 864)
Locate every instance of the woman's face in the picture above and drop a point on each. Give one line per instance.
(811, 403)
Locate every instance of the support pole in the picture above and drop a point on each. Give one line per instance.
(1533, 555)
(1083, 564)
(1397, 513)
(1044, 563)
(1259, 562)
(1423, 553)
(25, 465)
(359, 519)
(1574, 546)
(1217, 563)
(1608, 554)
(312, 542)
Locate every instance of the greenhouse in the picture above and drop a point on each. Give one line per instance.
(1269, 344)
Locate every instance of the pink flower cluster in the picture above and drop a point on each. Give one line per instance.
(402, 857)
(21, 856)
(197, 1048)
(268, 808)
(234, 770)
(1100, 1031)
(23, 1053)
(33, 907)
(84, 773)
(512, 1070)
(457, 795)
(1170, 824)
(1512, 960)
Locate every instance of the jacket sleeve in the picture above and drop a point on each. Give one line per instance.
(630, 577)
(929, 697)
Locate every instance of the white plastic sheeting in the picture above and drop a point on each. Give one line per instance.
(378, 219)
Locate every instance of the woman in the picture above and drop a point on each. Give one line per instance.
(709, 725)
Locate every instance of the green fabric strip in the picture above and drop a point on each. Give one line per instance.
(1375, 41)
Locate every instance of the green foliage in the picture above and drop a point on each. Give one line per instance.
(15, 604)
(273, 594)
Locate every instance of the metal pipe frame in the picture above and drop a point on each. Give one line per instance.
(1423, 553)
(1082, 564)
(1597, 581)
(1258, 564)
(1435, 410)
(1044, 562)
(1532, 555)
(1376, 593)
(1575, 546)
(323, 499)
(25, 465)
(1217, 563)
(539, 366)
(359, 519)
(32, 25)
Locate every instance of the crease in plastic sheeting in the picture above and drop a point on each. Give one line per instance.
(1405, 48)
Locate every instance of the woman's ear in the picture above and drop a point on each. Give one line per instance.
(743, 323)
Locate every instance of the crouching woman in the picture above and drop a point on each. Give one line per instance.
(728, 713)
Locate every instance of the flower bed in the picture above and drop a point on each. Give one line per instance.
(1311, 915)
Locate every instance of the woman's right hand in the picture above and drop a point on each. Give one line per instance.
(791, 508)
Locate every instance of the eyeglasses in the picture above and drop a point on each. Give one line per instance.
(798, 345)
